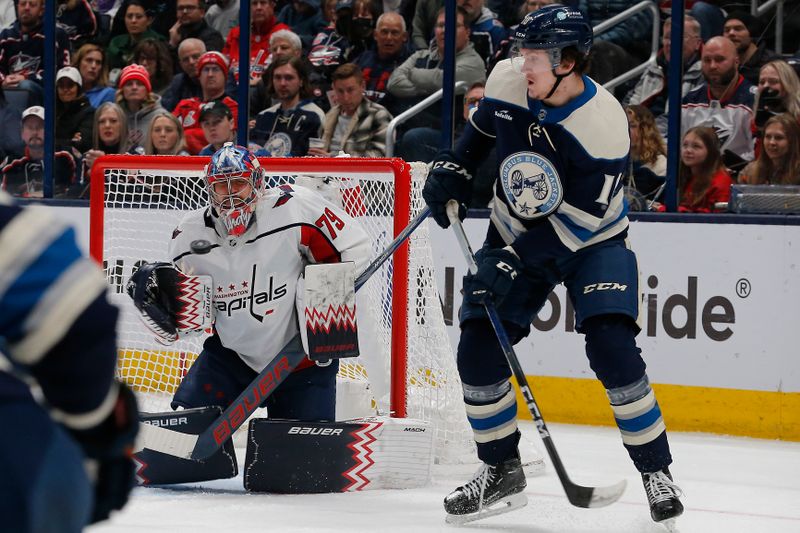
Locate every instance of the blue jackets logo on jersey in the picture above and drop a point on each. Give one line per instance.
(279, 145)
(531, 185)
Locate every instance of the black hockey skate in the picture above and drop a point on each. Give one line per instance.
(662, 495)
(493, 490)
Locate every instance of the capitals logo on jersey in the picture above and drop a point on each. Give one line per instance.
(531, 185)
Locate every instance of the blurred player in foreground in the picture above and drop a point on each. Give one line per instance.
(68, 427)
(559, 216)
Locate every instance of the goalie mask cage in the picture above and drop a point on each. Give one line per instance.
(137, 201)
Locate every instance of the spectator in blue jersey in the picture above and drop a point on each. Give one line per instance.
(186, 83)
(90, 60)
(74, 113)
(66, 460)
(744, 30)
(218, 125)
(24, 176)
(422, 73)
(485, 31)
(724, 102)
(390, 51)
(283, 130)
(559, 216)
(304, 17)
(22, 51)
(78, 21)
(355, 125)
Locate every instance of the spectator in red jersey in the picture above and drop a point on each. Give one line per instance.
(263, 25)
(213, 69)
(703, 180)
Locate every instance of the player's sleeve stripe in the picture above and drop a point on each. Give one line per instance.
(57, 309)
(23, 240)
(321, 249)
(93, 417)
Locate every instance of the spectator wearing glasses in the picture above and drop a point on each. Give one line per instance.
(191, 23)
(186, 83)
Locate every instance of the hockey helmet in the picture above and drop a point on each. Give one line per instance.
(235, 181)
(551, 28)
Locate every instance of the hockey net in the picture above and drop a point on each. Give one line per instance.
(407, 367)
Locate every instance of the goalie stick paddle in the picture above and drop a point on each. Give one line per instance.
(198, 447)
(577, 495)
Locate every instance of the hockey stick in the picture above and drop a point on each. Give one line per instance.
(577, 495)
(198, 447)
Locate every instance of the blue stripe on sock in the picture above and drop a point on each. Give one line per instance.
(641, 422)
(501, 418)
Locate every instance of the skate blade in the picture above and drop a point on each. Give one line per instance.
(513, 502)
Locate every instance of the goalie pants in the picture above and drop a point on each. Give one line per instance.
(219, 375)
(602, 283)
(43, 485)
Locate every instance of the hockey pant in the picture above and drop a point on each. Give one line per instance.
(606, 317)
(219, 375)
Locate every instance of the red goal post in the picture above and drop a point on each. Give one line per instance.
(137, 200)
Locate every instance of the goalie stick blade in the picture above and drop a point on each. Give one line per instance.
(165, 441)
(591, 497)
(512, 503)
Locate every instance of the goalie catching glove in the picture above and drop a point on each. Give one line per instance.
(447, 180)
(170, 302)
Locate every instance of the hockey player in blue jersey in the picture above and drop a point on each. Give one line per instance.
(65, 456)
(559, 216)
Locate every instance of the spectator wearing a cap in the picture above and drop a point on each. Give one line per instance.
(213, 70)
(136, 97)
(137, 27)
(304, 17)
(74, 113)
(263, 24)
(24, 176)
(284, 129)
(22, 51)
(744, 30)
(216, 121)
(90, 60)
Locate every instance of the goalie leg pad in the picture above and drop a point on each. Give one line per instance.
(155, 468)
(292, 457)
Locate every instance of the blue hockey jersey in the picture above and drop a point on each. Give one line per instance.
(559, 178)
(56, 324)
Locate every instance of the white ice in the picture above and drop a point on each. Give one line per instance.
(730, 485)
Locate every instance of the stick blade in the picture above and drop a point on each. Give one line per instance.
(591, 497)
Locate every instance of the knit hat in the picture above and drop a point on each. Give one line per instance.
(71, 73)
(750, 22)
(135, 72)
(213, 58)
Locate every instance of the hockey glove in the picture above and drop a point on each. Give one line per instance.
(497, 270)
(170, 302)
(108, 448)
(447, 180)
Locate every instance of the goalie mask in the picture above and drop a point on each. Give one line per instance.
(235, 181)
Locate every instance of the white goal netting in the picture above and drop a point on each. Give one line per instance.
(407, 365)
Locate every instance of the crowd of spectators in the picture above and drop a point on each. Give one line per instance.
(327, 76)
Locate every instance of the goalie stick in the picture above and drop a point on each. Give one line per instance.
(578, 495)
(198, 447)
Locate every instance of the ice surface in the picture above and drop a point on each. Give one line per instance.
(730, 484)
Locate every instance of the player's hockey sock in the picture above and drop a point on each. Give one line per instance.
(639, 420)
(492, 413)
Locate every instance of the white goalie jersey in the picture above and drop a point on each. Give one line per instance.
(256, 275)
